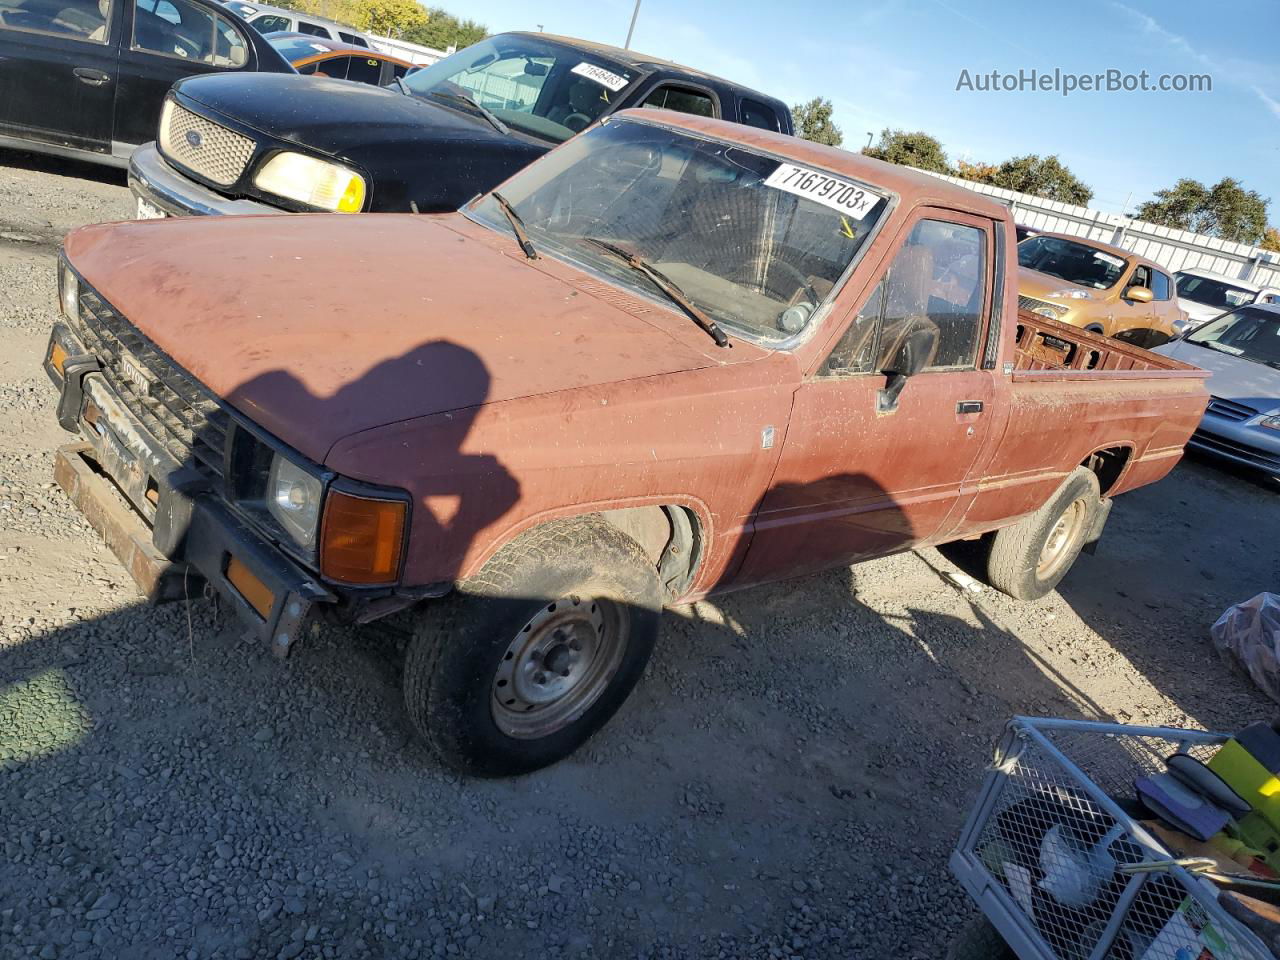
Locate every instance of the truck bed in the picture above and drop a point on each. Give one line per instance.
(1049, 350)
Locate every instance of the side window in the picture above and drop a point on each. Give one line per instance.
(335, 67)
(77, 19)
(934, 290)
(351, 38)
(681, 100)
(312, 28)
(365, 70)
(1159, 285)
(178, 28)
(854, 351)
(270, 24)
(756, 114)
(310, 68)
(1141, 277)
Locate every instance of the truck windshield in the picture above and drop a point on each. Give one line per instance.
(1249, 334)
(1073, 262)
(546, 89)
(755, 243)
(1212, 293)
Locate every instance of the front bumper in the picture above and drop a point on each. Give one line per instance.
(194, 541)
(152, 179)
(1249, 446)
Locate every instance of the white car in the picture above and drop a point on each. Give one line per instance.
(1204, 295)
(267, 19)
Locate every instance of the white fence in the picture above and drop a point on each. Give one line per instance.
(1173, 249)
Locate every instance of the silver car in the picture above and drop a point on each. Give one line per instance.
(1241, 349)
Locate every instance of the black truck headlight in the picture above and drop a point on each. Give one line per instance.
(293, 498)
(312, 181)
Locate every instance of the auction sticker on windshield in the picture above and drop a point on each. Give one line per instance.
(601, 76)
(848, 198)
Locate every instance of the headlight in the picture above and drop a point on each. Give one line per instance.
(68, 291)
(293, 498)
(1272, 423)
(315, 182)
(1053, 313)
(1072, 295)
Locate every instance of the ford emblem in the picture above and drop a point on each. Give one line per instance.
(194, 138)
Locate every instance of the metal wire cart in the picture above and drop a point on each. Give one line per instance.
(1066, 864)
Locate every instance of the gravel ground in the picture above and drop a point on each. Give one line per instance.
(787, 780)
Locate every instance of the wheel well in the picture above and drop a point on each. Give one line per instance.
(670, 535)
(1108, 465)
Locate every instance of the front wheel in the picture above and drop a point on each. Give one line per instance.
(1029, 558)
(532, 656)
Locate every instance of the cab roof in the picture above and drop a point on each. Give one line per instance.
(911, 185)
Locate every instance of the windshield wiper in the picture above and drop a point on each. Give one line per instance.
(666, 285)
(485, 112)
(517, 225)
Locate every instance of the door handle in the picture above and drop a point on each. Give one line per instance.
(969, 406)
(95, 78)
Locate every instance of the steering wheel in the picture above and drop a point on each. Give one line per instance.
(797, 276)
(581, 120)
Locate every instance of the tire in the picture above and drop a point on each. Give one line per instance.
(979, 940)
(525, 661)
(1021, 562)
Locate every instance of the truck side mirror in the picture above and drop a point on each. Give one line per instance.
(915, 351)
(1138, 294)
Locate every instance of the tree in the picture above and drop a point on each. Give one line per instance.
(912, 149)
(443, 30)
(390, 18)
(1226, 210)
(1046, 177)
(813, 122)
(1270, 239)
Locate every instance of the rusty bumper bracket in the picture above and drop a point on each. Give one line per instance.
(159, 578)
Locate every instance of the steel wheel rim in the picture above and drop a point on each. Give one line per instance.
(558, 665)
(1062, 539)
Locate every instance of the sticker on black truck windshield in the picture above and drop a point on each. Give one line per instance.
(848, 198)
(601, 76)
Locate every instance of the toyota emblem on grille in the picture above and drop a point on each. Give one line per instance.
(194, 138)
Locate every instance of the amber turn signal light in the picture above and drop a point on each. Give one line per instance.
(361, 538)
(57, 357)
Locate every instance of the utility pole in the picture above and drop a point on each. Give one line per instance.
(870, 134)
(632, 29)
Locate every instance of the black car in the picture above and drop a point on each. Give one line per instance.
(430, 142)
(86, 78)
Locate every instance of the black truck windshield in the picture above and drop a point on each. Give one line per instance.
(1076, 263)
(539, 87)
(755, 244)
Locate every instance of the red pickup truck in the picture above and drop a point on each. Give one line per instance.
(674, 356)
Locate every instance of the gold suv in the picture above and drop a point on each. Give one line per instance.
(1098, 287)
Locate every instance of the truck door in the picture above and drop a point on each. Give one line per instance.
(58, 64)
(853, 480)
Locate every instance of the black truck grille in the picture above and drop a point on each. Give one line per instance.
(180, 413)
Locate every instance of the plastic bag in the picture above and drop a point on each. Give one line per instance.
(1249, 633)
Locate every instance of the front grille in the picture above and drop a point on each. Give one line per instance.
(180, 413)
(1230, 410)
(1217, 444)
(1031, 303)
(207, 149)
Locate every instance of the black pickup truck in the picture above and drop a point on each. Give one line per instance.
(429, 142)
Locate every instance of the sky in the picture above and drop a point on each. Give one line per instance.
(897, 63)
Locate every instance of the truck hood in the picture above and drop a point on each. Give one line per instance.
(317, 326)
(1233, 378)
(336, 117)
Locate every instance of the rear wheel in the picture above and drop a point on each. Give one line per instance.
(1029, 558)
(533, 655)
